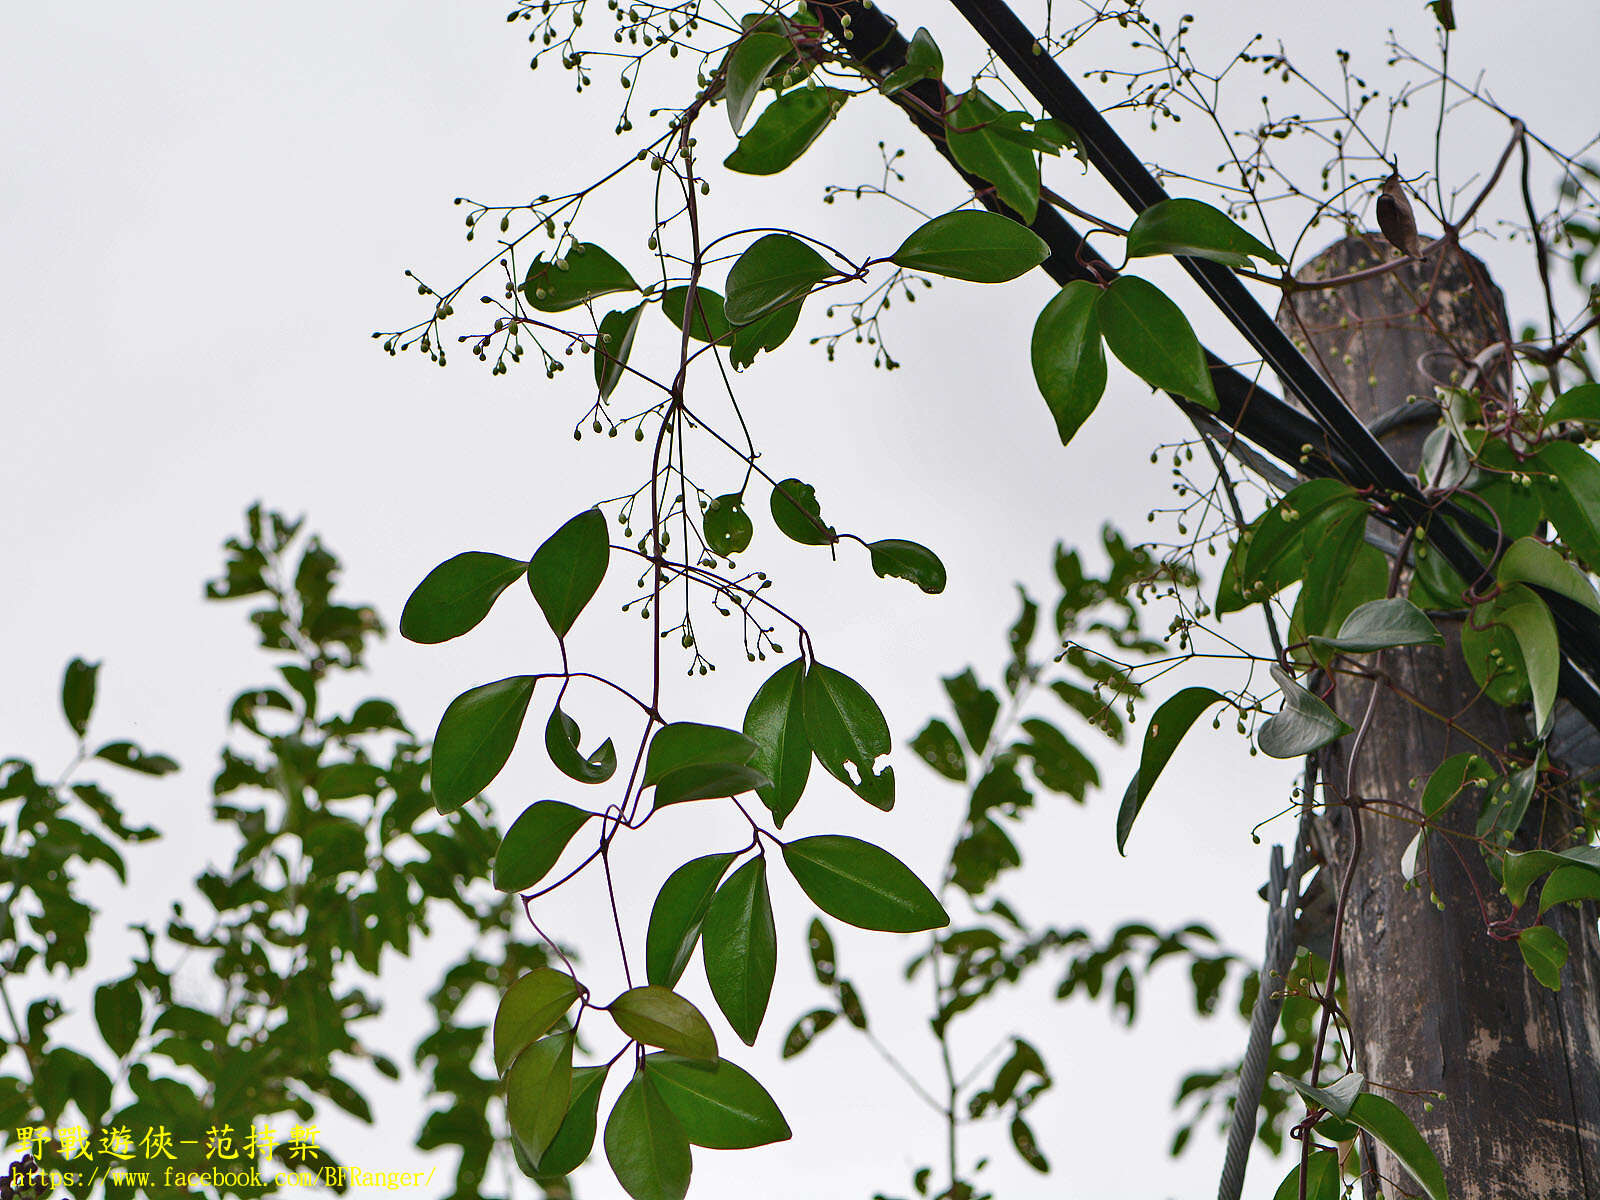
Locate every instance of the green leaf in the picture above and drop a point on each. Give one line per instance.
(980, 247)
(130, 757)
(708, 781)
(1529, 560)
(1341, 572)
(1581, 403)
(561, 739)
(684, 744)
(767, 333)
(937, 746)
(923, 61)
(976, 708)
(824, 961)
(908, 560)
(1058, 764)
(533, 844)
(1507, 804)
(1569, 884)
(1027, 1146)
(804, 1031)
(748, 66)
(529, 1009)
(1531, 624)
(476, 735)
(979, 150)
(1386, 1122)
(1322, 1179)
(1493, 655)
(456, 595)
(1161, 738)
(645, 1144)
(741, 948)
(1069, 363)
(719, 1105)
(862, 884)
(1545, 952)
(574, 1141)
(590, 272)
(77, 694)
(1195, 230)
(538, 1087)
(1338, 1097)
(848, 733)
(727, 526)
(1520, 870)
(1572, 499)
(658, 1016)
(707, 320)
(798, 516)
(567, 569)
(774, 271)
(1271, 554)
(119, 1012)
(614, 344)
(785, 130)
(677, 915)
(1152, 338)
(1380, 624)
(776, 722)
(1302, 725)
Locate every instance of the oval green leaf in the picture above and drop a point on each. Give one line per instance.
(1161, 738)
(677, 916)
(456, 595)
(658, 1016)
(77, 692)
(848, 733)
(613, 345)
(1572, 499)
(538, 1087)
(767, 333)
(574, 1141)
(776, 722)
(981, 247)
(1069, 363)
(1384, 1120)
(708, 781)
(561, 739)
(685, 743)
(979, 148)
(119, 1012)
(533, 844)
(589, 272)
(798, 515)
(1152, 338)
(645, 1144)
(707, 321)
(862, 884)
(785, 130)
(529, 1009)
(1529, 560)
(1322, 1179)
(567, 569)
(1195, 230)
(1569, 884)
(741, 948)
(719, 1105)
(1530, 622)
(748, 66)
(1381, 624)
(476, 735)
(727, 526)
(774, 271)
(908, 560)
(1303, 724)
(1545, 952)
(1581, 403)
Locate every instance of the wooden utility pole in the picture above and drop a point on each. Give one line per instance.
(1436, 1001)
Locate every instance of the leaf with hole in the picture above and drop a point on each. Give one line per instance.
(529, 1009)
(747, 67)
(908, 560)
(719, 1105)
(659, 1017)
(848, 733)
(798, 515)
(1381, 624)
(979, 150)
(538, 1087)
(533, 844)
(1152, 338)
(1161, 737)
(1069, 362)
(776, 722)
(727, 526)
(456, 595)
(677, 916)
(1196, 230)
(741, 948)
(645, 1144)
(613, 345)
(586, 273)
(567, 569)
(785, 130)
(862, 884)
(979, 247)
(772, 272)
(1302, 725)
(561, 740)
(476, 735)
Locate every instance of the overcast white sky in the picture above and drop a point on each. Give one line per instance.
(208, 210)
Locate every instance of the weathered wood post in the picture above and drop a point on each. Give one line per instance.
(1436, 1002)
